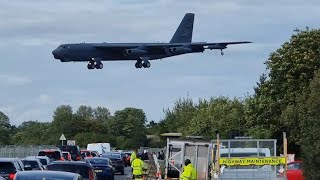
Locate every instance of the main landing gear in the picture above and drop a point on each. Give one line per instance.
(143, 62)
(95, 65)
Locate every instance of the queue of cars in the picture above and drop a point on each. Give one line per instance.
(76, 164)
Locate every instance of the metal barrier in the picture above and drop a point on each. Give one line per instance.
(246, 159)
(12, 151)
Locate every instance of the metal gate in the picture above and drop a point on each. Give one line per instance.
(246, 159)
(179, 150)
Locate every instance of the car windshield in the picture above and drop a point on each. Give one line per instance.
(6, 168)
(50, 154)
(70, 149)
(82, 170)
(33, 164)
(43, 161)
(294, 166)
(98, 161)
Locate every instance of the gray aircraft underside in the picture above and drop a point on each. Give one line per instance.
(180, 44)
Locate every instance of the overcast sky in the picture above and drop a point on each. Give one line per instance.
(33, 83)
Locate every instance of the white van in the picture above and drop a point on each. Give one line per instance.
(245, 152)
(101, 148)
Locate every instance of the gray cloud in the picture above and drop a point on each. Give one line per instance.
(13, 80)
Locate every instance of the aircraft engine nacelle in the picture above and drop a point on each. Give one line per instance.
(134, 52)
(178, 50)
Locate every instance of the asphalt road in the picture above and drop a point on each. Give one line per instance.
(126, 176)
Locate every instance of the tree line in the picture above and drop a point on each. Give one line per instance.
(286, 98)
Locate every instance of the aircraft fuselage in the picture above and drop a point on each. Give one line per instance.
(89, 51)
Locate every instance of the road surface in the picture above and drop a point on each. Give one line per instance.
(126, 176)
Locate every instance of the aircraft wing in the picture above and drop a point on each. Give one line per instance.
(158, 46)
(218, 45)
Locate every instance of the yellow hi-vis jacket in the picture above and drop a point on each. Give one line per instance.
(189, 173)
(133, 156)
(137, 166)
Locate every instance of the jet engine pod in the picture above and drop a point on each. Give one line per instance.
(180, 50)
(134, 52)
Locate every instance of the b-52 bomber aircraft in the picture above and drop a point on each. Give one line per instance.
(95, 53)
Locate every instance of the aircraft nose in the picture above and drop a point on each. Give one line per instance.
(56, 53)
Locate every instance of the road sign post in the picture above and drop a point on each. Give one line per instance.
(62, 138)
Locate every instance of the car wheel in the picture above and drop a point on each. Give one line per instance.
(122, 172)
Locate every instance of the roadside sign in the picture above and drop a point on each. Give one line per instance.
(62, 137)
(258, 161)
(71, 142)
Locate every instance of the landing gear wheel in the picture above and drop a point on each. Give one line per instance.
(90, 66)
(222, 53)
(138, 65)
(99, 66)
(146, 64)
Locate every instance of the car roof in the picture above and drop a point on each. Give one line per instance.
(9, 159)
(39, 157)
(30, 159)
(50, 150)
(55, 174)
(97, 158)
(296, 161)
(72, 162)
(111, 152)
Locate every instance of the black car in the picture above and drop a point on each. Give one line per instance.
(103, 167)
(34, 163)
(10, 166)
(86, 170)
(117, 161)
(73, 150)
(41, 175)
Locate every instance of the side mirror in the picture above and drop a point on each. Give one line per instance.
(27, 168)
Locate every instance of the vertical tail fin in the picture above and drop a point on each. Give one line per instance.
(184, 32)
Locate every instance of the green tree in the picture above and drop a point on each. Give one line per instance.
(85, 112)
(4, 129)
(32, 133)
(4, 120)
(307, 111)
(128, 126)
(102, 114)
(290, 70)
(179, 115)
(62, 123)
(218, 114)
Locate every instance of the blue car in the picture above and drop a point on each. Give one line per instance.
(102, 166)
